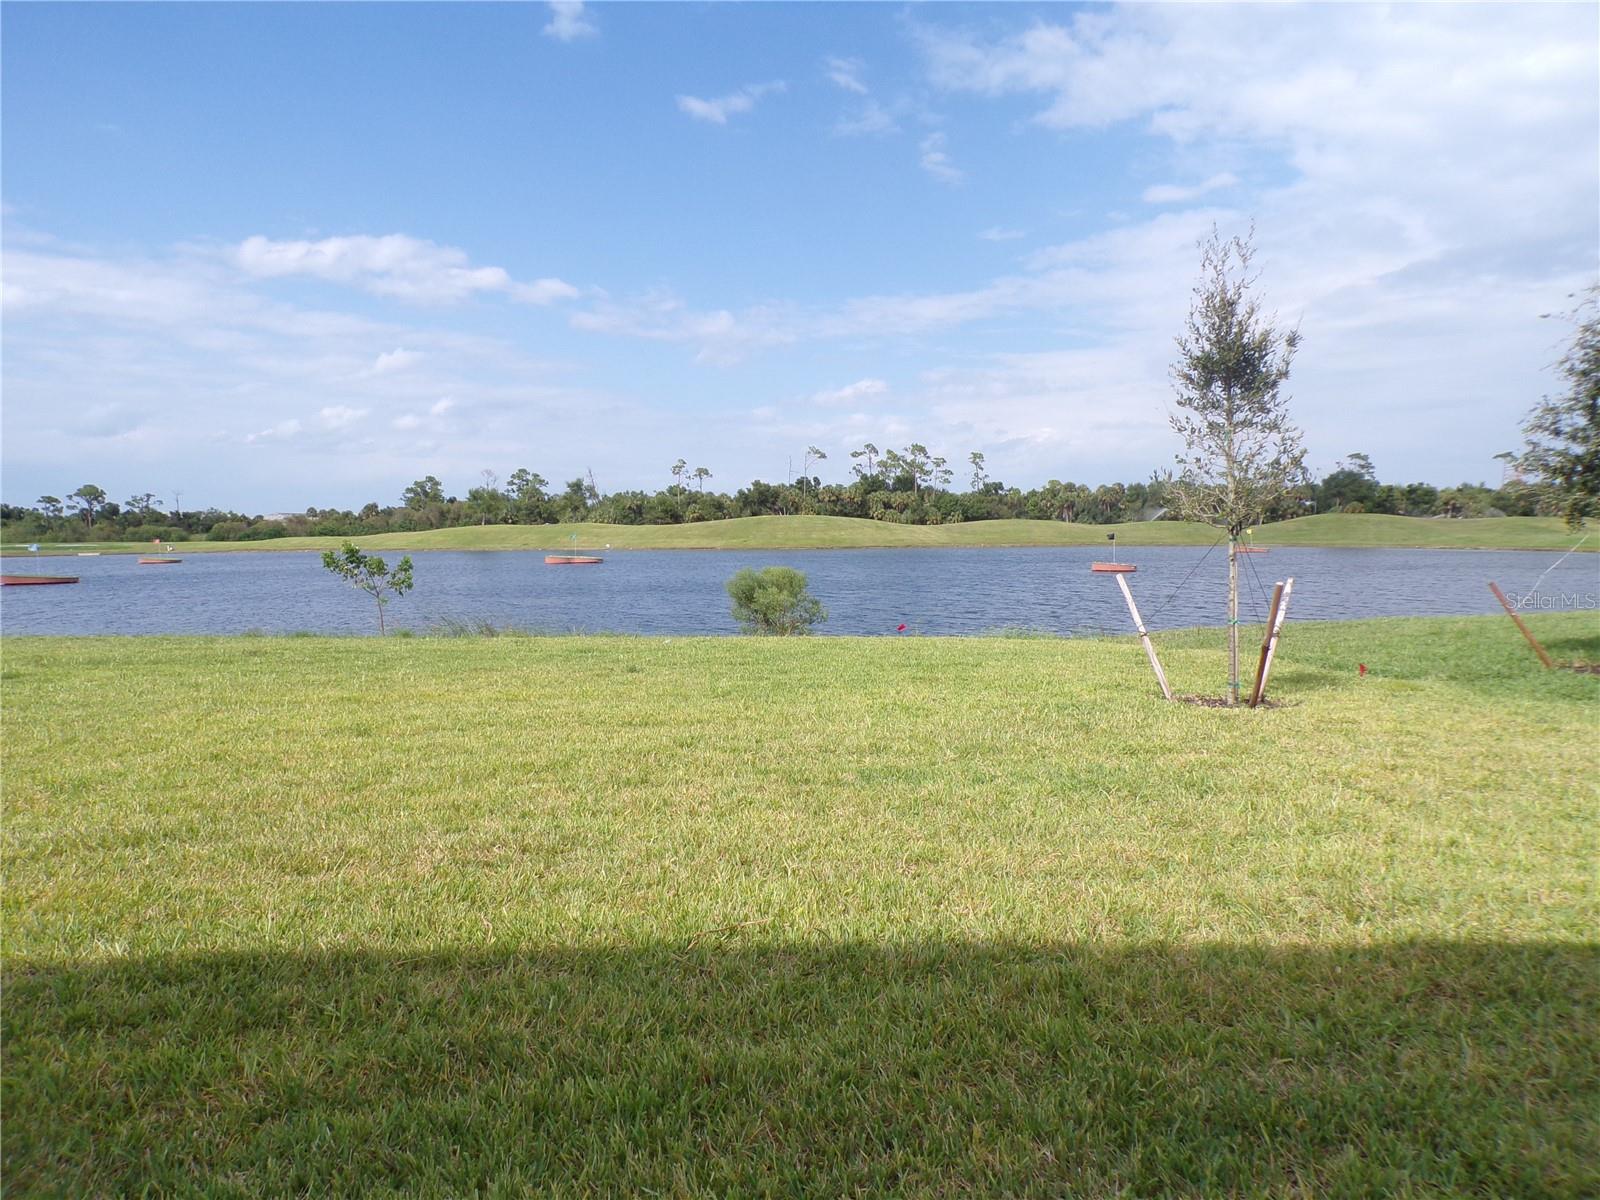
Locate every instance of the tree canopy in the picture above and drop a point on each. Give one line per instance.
(1241, 453)
(1563, 432)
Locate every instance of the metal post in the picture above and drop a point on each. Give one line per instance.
(1144, 636)
(1233, 619)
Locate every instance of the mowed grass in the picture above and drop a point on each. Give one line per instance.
(841, 533)
(810, 917)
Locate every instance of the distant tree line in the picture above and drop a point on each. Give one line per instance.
(909, 486)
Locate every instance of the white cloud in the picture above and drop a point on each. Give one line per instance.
(936, 162)
(278, 432)
(407, 421)
(996, 233)
(719, 110)
(1174, 193)
(569, 21)
(239, 398)
(397, 359)
(872, 118)
(846, 73)
(340, 416)
(394, 265)
(851, 394)
(661, 316)
(107, 421)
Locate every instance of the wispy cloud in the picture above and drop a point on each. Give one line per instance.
(846, 73)
(996, 233)
(660, 315)
(1176, 193)
(283, 429)
(871, 118)
(338, 416)
(569, 21)
(395, 265)
(203, 365)
(397, 359)
(719, 110)
(851, 394)
(936, 160)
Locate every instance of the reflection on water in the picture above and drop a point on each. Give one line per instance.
(865, 591)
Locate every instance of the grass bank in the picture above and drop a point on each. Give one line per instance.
(800, 917)
(837, 533)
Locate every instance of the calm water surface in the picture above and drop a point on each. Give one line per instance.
(864, 591)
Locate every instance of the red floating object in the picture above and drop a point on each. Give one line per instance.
(1113, 568)
(570, 560)
(19, 580)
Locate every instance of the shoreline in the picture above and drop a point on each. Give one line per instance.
(1354, 531)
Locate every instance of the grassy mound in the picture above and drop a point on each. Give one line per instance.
(841, 533)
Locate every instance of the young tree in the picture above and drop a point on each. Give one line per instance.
(774, 601)
(370, 573)
(1563, 432)
(1241, 453)
(979, 478)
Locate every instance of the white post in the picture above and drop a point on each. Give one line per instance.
(1144, 636)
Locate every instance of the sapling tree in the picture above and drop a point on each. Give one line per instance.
(371, 574)
(1241, 453)
(774, 601)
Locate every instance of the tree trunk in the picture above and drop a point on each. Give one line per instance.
(1233, 619)
(380, 618)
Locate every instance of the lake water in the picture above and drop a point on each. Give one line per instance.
(864, 591)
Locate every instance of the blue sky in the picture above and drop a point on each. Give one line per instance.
(280, 255)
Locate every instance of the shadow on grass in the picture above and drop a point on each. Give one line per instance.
(1435, 1068)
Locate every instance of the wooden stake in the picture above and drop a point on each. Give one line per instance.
(1272, 641)
(1526, 632)
(1144, 636)
(1266, 641)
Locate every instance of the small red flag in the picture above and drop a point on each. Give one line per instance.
(1361, 668)
(900, 628)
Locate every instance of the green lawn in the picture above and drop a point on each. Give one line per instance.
(822, 533)
(809, 917)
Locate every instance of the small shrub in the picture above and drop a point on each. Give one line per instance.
(774, 602)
